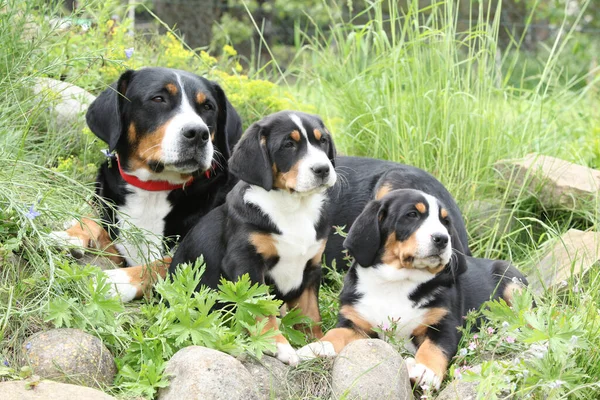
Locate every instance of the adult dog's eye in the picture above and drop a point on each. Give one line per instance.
(208, 106)
(158, 99)
(412, 214)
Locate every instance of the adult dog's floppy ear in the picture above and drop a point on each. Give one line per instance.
(221, 139)
(104, 114)
(364, 238)
(250, 159)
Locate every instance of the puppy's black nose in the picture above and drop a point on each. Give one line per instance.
(320, 170)
(440, 240)
(199, 135)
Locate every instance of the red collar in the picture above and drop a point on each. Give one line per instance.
(155, 186)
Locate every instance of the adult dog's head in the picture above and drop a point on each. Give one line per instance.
(164, 124)
(406, 229)
(288, 150)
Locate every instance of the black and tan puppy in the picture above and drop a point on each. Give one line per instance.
(410, 272)
(273, 225)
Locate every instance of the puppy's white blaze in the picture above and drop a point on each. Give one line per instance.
(385, 294)
(146, 211)
(287, 354)
(425, 246)
(316, 349)
(295, 217)
(185, 118)
(120, 285)
(306, 179)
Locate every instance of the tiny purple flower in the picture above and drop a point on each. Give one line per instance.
(490, 330)
(510, 339)
(28, 345)
(472, 346)
(457, 373)
(462, 352)
(6, 363)
(32, 214)
(106, 152)
(475, 336)
(129, 52)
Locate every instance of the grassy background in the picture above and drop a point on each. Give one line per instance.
(432, 95)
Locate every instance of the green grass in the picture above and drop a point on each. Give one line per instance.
(406, 87)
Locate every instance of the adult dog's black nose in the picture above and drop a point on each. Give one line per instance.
(320, 170)
(440, 240)
(196, 135)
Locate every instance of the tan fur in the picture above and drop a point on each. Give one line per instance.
(431, 318)
(422, 208)
(172, 89)
(272, 324)
(432, 356)
(444, 213)
(147, 148)
(316, 260)
(317, 134)
(264, 244)
(383, 190)
(400, 254)
(308, 304)
(295, 135)
(200, 97)
(350, 313)
(144, 276)
(95, 237)
(340, 337)
(286, 180)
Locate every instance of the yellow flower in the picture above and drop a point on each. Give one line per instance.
(229, 50)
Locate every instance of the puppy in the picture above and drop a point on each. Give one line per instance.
(410, 269)
(274, 223)
(171, 133)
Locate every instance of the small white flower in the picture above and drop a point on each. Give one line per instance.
(556, 384)
(573, 340)
(462, 352)
(505, 324)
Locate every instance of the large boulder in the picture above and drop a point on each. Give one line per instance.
(272, 378)
(370, 369)
(70, 355)
(200, 373)
(66, 102)
(48, 390)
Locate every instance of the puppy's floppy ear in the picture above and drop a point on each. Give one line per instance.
(104, 114)
(250, 158)
(458, 263)
(364, 238)
(332, 153)
(221, 134)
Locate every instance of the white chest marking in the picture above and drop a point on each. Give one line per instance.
(145, 212)
(295, 216)
(385, 292)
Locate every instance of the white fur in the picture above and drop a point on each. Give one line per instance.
(385, 292)
(316, 349)
(286, 354)
(146, 211)
(76, 244)
(120, 284)
(422, 375)
(425, 245)
(295, 215)
(306, 179)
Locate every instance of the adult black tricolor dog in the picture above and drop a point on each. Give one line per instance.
(171, 132)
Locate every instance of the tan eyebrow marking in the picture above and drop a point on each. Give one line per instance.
(444, 213)
(295, 135)
(172, 89)
(318, 134)
(200, 97)
(421, 208)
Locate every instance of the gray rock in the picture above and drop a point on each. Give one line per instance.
(48, 390)
(575, 253)
(370, 369)
(272, 378)
(459, 390)
(553, 181)
(66, 102)
(70, 355)
(486, 216)
(200, 373)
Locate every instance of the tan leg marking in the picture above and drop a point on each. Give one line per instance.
(432, 356)
(308, 304)
(142, 277)
(350, 313)
(272, 324)
(95, 236)
(431, 318)
(264, 244)
(340, 337)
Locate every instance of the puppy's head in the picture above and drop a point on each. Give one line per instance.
(164, 124)
(289, 151)
(407, 229)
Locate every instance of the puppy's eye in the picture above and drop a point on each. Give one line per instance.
(208, 106)
(412, 214)
(290, 144)
(445, 221)
(323, 140)
(158, 99)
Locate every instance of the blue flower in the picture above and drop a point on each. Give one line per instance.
(129, 52)
(6, 363)
(32, 214)
(28, 345)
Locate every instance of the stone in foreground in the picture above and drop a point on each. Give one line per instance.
(272, 378)
(458, 390)
(70, 355)
(370, 369)
(553, 181)
(48, 390)
(574, 253)
(201, 373)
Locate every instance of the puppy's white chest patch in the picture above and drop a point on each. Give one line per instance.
(145, 211)
(295, 216)
(385, 294)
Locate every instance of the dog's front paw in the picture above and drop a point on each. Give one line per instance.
(423, 375)
(120, 284)
(286, 354)
(316, 349)
(75, 244)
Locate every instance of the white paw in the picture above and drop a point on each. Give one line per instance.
(63, 239)
(120, 285)
(316, 349)
(422, 375)
(287, 354)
